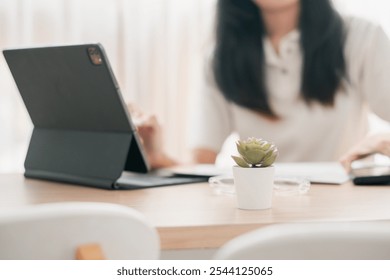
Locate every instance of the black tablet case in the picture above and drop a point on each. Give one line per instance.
(68, 143)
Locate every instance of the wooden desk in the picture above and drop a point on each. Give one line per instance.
(193, 217)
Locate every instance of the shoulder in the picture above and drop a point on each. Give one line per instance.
(363, 37)
(361, 33)
(355, 24)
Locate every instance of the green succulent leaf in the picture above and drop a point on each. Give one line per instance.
(270, 157)
(255, 152)
(265, 145)
(241, 147)
(240, 162)
(254, 156)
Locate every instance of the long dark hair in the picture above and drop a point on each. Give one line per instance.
(238, 61)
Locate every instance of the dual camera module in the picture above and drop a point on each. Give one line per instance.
(95, 56)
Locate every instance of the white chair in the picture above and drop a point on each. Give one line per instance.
(307, 241)
(56, 230)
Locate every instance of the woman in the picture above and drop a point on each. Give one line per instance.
(295, 73)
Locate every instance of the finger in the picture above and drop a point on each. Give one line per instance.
(141, 119)
(136, 113)
(149, 122)
(347, 159)
(132, 107)
(346, 163)
(383, 146)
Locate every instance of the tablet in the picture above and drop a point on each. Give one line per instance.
(83, 133)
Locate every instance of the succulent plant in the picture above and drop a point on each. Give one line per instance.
(255, 153)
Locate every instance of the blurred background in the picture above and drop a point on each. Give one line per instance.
(156, 48)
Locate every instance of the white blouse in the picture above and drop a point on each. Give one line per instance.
(305, 133)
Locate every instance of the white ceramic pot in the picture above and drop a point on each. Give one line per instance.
(254, 187)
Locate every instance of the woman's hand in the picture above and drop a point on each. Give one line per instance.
(151, 136)
(377, 143)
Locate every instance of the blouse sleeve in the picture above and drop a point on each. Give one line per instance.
(210, 118)
(375, 82)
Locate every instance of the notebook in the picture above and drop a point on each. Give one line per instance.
(83, 133)
(316, 172)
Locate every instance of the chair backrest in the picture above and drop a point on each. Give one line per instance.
(55, 230)
(306, 241)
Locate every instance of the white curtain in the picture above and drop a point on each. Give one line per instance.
(156, 48)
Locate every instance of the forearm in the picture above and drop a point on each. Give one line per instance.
(202, 155)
